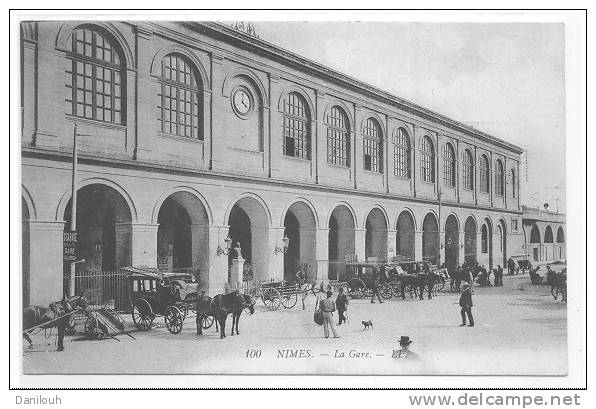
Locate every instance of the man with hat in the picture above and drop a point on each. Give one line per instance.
(405, 352)
(328, 306)
(465, 302)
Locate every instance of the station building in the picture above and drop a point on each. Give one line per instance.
(190, 133)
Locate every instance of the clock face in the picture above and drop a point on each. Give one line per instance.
(242, 102)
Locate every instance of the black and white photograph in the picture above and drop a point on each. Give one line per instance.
(252, 194)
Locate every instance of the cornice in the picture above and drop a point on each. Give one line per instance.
(125, 163)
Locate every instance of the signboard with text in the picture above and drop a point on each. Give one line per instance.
(70, 246)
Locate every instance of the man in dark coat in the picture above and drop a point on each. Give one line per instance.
(510, 266)
(342, 305)
(465, 302)
(375, 286)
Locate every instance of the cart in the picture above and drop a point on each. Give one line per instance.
(152, 294)
(523, 263)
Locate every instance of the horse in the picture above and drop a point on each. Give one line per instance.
(560, 284)
(417, 282)
(220, 306)
(35, 315)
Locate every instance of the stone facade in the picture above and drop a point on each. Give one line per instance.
(149, 196)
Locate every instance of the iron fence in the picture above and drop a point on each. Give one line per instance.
(103, 289)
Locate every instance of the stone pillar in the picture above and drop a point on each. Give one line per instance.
(360, 244)
(214, 277)
(320, 134)
(46, 264)
(200, 248)
(143, 251)
(275, 260)
(147, 90)
(29, 84)
(442, 245)
(273, 147)
(418, 245)
(237, 270)
(219, 106)
(462, 248)
(322, 254)
(391, 244)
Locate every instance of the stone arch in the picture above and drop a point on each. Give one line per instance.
(401, 124)
(560, 235)
(405, 239)
(299, 90)
(249, 221)
(345, 108)
(487, 232)
(156, 65)
(306, 203)
(29, 202)
(376, 229)
(548, 235)
(535, 236)
(251, 77)
(342, 238)
(470, 239)
(430, 238)
(177, 189)
(300, 224)
(380, 122)
(348, 207)
(66, 29)
(65, 199)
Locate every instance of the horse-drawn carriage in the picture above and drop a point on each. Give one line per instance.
(170, 295)
(523, 262)
(278, 294)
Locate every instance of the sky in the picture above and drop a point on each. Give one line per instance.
(506, 79)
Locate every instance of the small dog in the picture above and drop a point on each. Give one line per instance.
(367, 324)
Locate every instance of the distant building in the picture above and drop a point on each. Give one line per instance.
(193, 132)
(544, 235)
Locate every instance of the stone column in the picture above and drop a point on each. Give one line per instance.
(462, 248)
(237, 270)
(218, 130)
(273, 146)
(418, 245)
(442, 245)
(360, 244)
(213, 278)
(147, 90)
(144, 244)
(46, 264)
(391, 244)
(320, 134)
(322, 254)
(200, 248)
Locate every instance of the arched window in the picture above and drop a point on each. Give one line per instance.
(535, 235)
(560, 235)
(95, 87)
(427, 160)
(484, 174)
(513, 181)
(499, 179)
(548, 235)
(468, 170)
(373, 146)
(401, 153)
(179, 98)
(296, 127)
(448, 165)
(484, 239)
(338, 137)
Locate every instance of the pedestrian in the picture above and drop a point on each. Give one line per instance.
(375, 287)
(328, 306)
(510, 266)
(301, 277)
(405, 352)
(499, 273)
(465, 302)
(342, 305)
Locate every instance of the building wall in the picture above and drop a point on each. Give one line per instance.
(236, 158)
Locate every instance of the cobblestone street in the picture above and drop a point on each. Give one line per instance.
(519, 329)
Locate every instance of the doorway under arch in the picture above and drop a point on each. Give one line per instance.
(300, 224)
(341, 240)
(451, 242)
(470, 240)
(376, 235)
(430, 239)
(405, 236)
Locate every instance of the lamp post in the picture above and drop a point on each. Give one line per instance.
(73, 209)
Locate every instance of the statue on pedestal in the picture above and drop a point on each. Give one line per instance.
(238, 250)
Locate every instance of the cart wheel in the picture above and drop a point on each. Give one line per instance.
(289, 300)
(207, 322)
(356, 288)
(92, 328)
(174, 319)
(385, 291)
(271, 298)
(142, 314)
(396, 289)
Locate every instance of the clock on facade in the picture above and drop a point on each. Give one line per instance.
(242, 101)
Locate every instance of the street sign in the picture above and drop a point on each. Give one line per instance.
(70, 246)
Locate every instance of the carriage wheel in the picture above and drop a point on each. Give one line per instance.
(289, 300)
(356, 288)
(271, 298)
(396, 289)
(207, 322)
(174, 319)
(386, 291)
(92, 328)
(142, 314)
